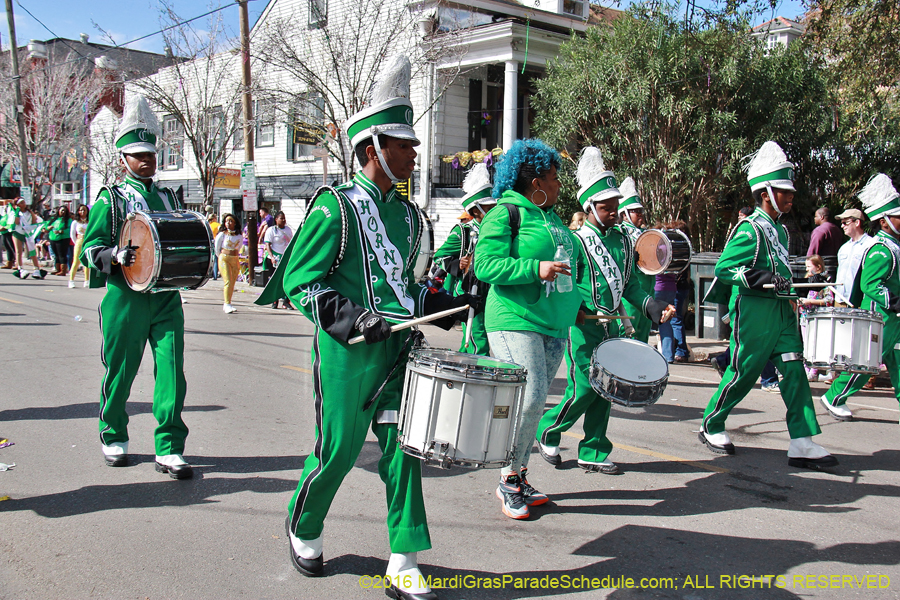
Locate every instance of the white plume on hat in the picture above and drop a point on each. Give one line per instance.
(138, 115)
(769, 159)
(630, 199)
(477, 179)
(628, 188)
(393, 81)
(879, 191)
(590, 165)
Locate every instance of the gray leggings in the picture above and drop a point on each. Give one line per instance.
(541, 355)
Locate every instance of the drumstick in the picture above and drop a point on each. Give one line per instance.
(606, 317)
(130, 218)
(840, 296)
(408, 324)
(470, 319)
(771, 286)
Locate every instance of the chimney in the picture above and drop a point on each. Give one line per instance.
(84, 38)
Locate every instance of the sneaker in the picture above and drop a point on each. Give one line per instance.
(772, 388)
(71, 285)
(228, 308)
(512, 501)
(87, 284)
(532, 496)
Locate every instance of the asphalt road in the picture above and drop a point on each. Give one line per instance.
(679, 523)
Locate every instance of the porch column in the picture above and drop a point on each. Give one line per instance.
(510, 108)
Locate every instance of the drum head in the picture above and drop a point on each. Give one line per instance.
(654, 252)
(140, 233)
(631, 360)
(482, 367)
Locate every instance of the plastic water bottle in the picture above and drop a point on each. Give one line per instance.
(563, 282)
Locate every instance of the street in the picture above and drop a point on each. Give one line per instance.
(680, 522)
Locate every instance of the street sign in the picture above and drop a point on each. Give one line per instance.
(250, 201)
(248, 176)
(25, 193)
(228, 178)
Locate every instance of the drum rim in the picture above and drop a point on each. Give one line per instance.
(157, 259)
(830, 312)
(519, 371)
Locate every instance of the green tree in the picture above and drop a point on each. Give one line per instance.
(680, 109)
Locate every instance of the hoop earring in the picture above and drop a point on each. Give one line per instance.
(546, 198)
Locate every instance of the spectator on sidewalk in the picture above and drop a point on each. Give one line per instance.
(826, 238)
(76, 234)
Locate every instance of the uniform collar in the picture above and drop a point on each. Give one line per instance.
(373, 190)
(597, 230)
(760, 212)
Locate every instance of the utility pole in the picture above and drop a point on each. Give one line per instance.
(20, 105)
(246, 102)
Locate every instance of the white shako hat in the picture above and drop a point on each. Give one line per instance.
(390, 111)
(139, 128)
(879, 198)
(596, 182)
(477, 187)
(770, 168)
(630, 199)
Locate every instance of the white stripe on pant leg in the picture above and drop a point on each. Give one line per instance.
(734, 363)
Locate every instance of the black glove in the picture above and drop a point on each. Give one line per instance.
(894, 304)
(757, 279)
(373, 327)
(475, 302)
(435, 303)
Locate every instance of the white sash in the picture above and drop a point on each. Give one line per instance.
(134, 200)
(605, 263)
(771, 234)
(381, 250)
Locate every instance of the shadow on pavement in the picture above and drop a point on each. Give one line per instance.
(86, 410)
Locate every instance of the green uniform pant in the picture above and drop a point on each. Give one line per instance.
(641, 322)
(580, 398)
(764, 329)
(344, 379)
(848, 384)
(479, 342)
(128, 320)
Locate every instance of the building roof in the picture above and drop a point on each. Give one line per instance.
(131, 64)
(780, 24)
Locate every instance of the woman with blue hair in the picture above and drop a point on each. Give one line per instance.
(524, 251)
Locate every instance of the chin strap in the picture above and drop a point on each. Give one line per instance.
(596, 216)
(627, 217)
(773, 201)
(891, 225)
(127, 168)
(384, 165)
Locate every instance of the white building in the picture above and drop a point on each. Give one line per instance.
(779, 31)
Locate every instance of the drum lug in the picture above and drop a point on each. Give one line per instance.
(437, 454)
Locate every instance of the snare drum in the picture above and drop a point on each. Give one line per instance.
(426, 251)
(844, 339)
(628, 372)
(460, 409)
(663, 251)
(175, 251)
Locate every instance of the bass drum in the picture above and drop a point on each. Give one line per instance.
(663, 251)
(422, 267)
(174, 251)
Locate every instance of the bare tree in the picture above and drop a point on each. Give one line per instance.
(60, 95)
(197, 96)
(321, 67)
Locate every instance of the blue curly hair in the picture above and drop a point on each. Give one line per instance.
(526, 160)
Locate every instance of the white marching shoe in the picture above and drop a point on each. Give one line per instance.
(407, 581)
(116, 454)
(806, 454)
(306, 555)
(719, 443)
(841, 413)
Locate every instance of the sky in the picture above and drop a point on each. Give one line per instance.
(105, 20)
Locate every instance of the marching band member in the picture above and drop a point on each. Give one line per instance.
(604, 279)
(763, 320)
(350, 269)
(455, 255)
(130, 319)
(524, 252)
(876, 288)
(631, 219)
